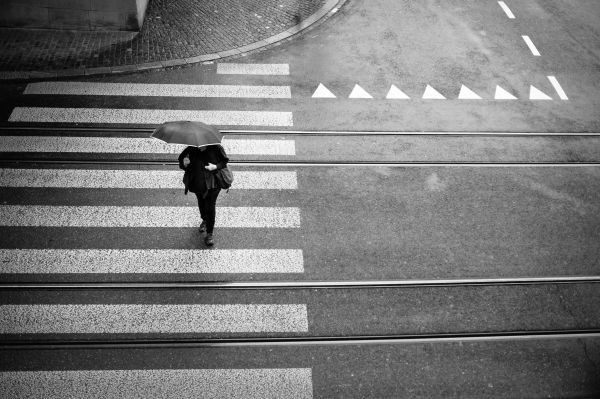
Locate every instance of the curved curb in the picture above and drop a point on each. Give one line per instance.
(324, 13)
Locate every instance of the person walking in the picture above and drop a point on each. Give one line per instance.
(200, 164)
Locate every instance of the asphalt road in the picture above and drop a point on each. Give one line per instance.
(360, 222)
(435, 207)
(555, 368)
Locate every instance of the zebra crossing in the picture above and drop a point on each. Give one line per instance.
(92, 115)
(150, 318)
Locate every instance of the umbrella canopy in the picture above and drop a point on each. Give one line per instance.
(188, 132)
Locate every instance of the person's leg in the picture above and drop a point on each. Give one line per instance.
(202, 208)
(210, 209)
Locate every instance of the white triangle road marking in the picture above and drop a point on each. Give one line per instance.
(359, 92)
(396, 94)
(323, 92)
(537, 94)
(558, 88)
(468, 94)
(502, 94)
(432, 94)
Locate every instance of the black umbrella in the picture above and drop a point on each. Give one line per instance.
(188, 132)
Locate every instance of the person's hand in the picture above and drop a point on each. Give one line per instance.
(186, 162)
(210, 167)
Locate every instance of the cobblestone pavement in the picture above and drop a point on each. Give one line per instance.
(173, 29)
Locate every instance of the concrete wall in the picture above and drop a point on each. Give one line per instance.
(73, 14)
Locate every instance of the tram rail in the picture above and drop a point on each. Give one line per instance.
(300, 285)
(148, 130)
(521, 335)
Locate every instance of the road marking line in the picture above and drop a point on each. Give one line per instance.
(323, 92)
(537, 94)
(559, 90)
(149, 116)
(151, 318)
(243, 383)
(140, 179)
(252, 69)
(84, 261)
(156, 90)
(396, 94)
(507, 10)
(145, 216)
(468, 94)
(120, 145)
(531, 46)
(432, 94)
(359, 92)
(502, 94)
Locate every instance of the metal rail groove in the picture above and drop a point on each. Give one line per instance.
(295, 163)
(299, 285)
(148, 130)
(302, 340)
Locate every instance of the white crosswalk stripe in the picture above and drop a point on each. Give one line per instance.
(119, 145)
(84, 261)
(246, 383)
(156, 90)
(147, 179)
(225, 68)
(145, 216)
(151, 318)
(149, 116)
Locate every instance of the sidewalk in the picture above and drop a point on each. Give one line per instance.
(174, 33)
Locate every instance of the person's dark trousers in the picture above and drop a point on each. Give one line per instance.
(207, 206)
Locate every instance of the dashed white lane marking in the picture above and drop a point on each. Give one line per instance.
(145, 216)
(149, 116)
(151, 318)
(531, 46)
(537, 94)
(323, 92)
(468, 94)
(84, 261)
(289, 383)
(432, 94)
(253, 69)
(502, 94)
(559, 90)
(153, 179)
(396, 94)
(359, 92)
(507, 10)
(292, 383)
(156, 90)
(119, 145)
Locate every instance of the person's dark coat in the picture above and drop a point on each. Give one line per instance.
(196, 178)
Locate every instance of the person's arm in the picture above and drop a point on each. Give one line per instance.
(183, 154)
(224, 159)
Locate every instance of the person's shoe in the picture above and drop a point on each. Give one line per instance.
(202, 227)
(208, 240)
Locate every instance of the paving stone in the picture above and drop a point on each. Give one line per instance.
(186, 29)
